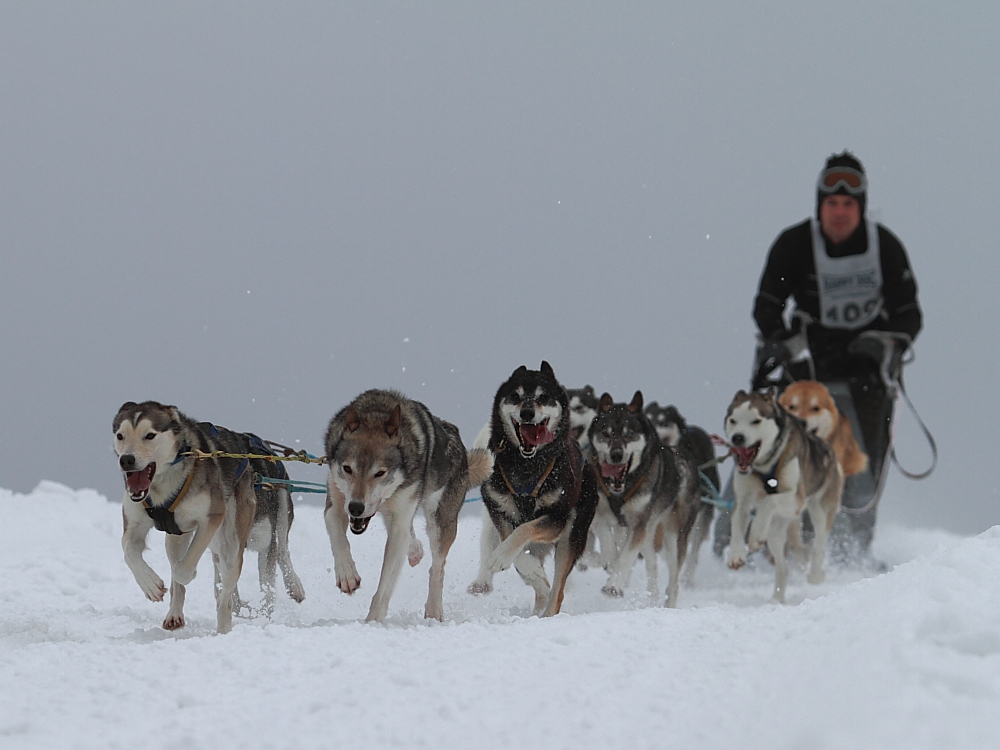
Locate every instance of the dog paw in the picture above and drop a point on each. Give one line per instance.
(496, 563)
(348, 579)
(415, 553)
(153, 587)
(816, 577)
(480, 587)
(173, 622)
(736, 562)
(613, 591)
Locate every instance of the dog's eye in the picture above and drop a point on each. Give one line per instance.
(119, 436)
(755, 422)
(150, 435)
(379, 473)
(347, 469)
(815, 408)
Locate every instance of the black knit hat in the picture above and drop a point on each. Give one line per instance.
(860, 193)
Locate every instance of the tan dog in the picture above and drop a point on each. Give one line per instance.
(811, 402)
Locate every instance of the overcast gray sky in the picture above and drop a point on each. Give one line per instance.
(257, 210)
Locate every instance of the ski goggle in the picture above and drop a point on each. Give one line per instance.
(833, 179)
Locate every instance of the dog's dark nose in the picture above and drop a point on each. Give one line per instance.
(127, 462)
(527, 413)
(737, 439)
(355, 508)
(617, 454)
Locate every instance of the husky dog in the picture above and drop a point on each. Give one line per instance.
(200, 503)
(541, 495)
(674, 431)
(389, 454)
(811, 402)
(642, 483)
(582, 410)
(272, 521)
(781, 470)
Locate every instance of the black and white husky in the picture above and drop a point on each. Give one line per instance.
(541, 495)
(642, 484)
(781, 470)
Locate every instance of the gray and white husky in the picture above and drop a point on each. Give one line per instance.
(781, 470)
(642, 485)
(200, 503)
(388, 454)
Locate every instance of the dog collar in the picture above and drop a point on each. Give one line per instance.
(769, 480)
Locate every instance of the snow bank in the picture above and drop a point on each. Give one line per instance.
(909, 659)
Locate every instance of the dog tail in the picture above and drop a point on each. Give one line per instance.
(480, 466)
(483, 438)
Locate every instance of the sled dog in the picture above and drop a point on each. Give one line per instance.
(642, 483)
(810, 401)
(781, 470)
(272, 521)
(540, 495)
(388, 454)
(582, 410)
(200, 503)
(674, 431)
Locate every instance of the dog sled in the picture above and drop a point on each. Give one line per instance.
(779, 364)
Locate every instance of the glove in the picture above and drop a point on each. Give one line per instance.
(771, 355)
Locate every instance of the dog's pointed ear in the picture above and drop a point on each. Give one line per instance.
(519, 371)
(392, 423)
(589, 390)
(770, 393)
(351, 420)
(635, 405)
(605, 403)
(546, 370)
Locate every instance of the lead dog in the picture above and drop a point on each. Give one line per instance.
(781, 470)
(541, 495)
(388, 454)
(200, 504)
(642, 484)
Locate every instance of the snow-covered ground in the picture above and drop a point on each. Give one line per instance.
(908, 659)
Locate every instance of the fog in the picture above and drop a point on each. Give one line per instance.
(256, 211)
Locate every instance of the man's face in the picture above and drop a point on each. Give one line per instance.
(839, 216)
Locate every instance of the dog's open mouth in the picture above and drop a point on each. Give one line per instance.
(358, 525)
(137, 482)
(614, 475)
(532, 436)
(745, 456)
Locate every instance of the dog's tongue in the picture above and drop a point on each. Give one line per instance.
(613, 471)
(139, 481)
(745, 456)
(536, 434)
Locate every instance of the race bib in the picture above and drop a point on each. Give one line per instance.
(850, 288)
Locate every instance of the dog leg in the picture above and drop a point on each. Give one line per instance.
(776, 544)
(133, 545)
(603, 527)
(442, 528)
(489, 540)
(335, 517)
(544, 529)
(267, 558)
(621, 569)
(649, 558)
(175, 546)
(532, 572)
(285, 516)
(563, 565)
(184, 570)
(398, 529)
(702, 526)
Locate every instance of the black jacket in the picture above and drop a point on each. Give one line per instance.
(791, 272)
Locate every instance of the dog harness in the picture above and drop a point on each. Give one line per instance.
(163, 515)
(769, 480)
(614, 502)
